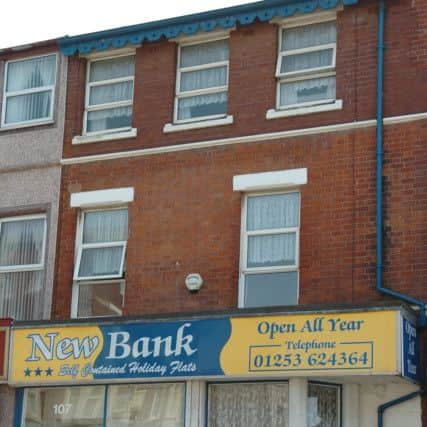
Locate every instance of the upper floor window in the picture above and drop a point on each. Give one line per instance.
(29, 91)
(306, 64)
(202, 81)
(99, 269)
(109, 95)
(22, 259)
(270, 249)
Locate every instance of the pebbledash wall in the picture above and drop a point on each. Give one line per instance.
(30, 171)
(185, 209)
(30, 167)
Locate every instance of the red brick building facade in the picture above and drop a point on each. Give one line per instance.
(185, 183)
(186, 215)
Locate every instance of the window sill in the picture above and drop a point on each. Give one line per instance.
(170, 127)
(5, 128)
(86, 139)
(276, 114)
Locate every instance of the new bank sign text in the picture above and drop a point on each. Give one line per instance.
(300, 344)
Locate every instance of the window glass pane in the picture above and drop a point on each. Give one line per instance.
(98, 262)
(31, 73)
(111, 118)
(64, 407)
(273, 211)
(307, 61)
(307, 91)
(271, 289)
(272, 250)
(33, 106)
(203, 79)
(100, 299)
(21, 242)
(112, 68)
(105, 226)
(21, 295)
(154, 405)
(204, 53)
(309, 35)
(323, 406)
(202, 106)
(111, 93)
(248, 405)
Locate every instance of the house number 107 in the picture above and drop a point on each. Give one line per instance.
(62, 408)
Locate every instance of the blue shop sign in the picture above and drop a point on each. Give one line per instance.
(410, 356)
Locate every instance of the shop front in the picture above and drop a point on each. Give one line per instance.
(325, 369)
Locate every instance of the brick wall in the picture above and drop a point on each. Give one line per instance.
(252, 86)
(186, 218)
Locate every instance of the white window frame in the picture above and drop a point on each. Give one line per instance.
(255, 381)
(26, 267)
(339, 389)
(6, 95)
(80, 246)
(208, 91)
(75, 296)
(108, 105)
(313, 73)
(244, 237)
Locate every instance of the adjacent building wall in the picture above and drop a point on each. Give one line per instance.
(30, 165)
(30, 176)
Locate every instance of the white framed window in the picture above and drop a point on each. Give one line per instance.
(63, 406)
(274, 403)
(104, 405)
(269, 258)
(109, 95)
(157, 404)
(99, 267)
(102, 244)
(22, 261)
(29, 91)
(323, 405)
(202, 80)
(241, 404)
(98, 298)
(305, 68)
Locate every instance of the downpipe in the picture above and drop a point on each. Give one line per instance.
(422, 321)
(379, 212)
(382, 408)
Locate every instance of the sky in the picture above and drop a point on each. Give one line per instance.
(27, 21)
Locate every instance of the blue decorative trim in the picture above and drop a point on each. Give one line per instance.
(246, 14)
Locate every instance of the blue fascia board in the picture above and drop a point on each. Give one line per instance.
(190, 24)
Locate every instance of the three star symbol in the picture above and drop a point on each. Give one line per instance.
(38, 372)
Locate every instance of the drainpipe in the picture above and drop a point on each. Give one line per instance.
(379, 184)
(395, 402)
(379, 212)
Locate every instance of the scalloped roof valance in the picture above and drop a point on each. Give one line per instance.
(191, 24)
